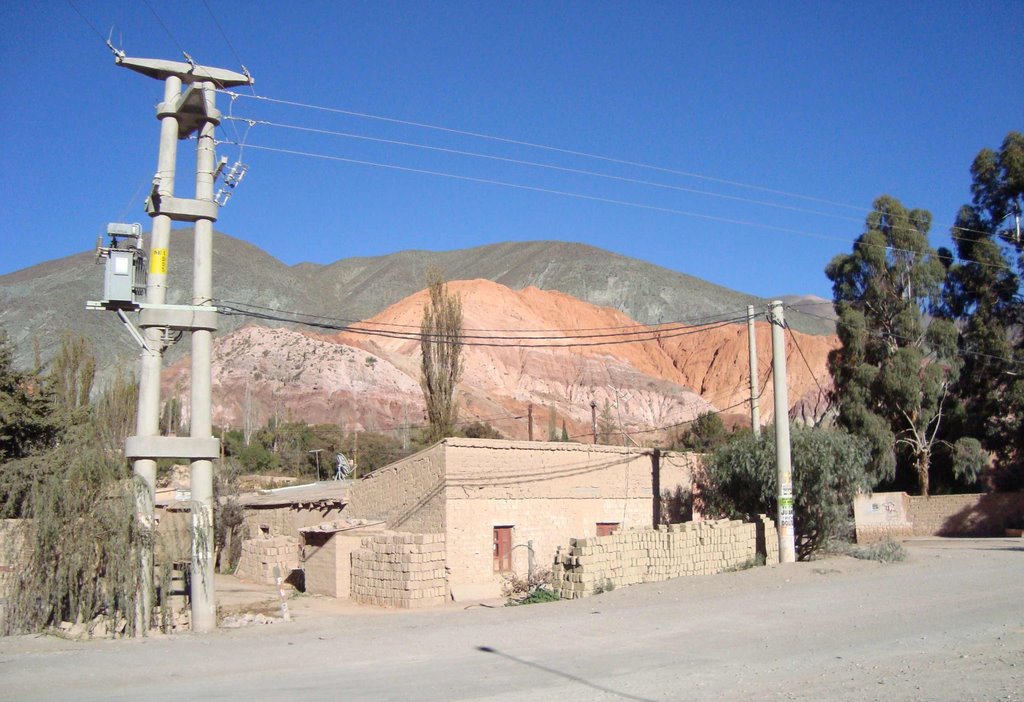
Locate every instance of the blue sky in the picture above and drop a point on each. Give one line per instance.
(834, 102)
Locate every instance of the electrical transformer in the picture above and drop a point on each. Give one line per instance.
(124, 281)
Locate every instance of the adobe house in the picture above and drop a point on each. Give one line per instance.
(274, 519)
(488, 500)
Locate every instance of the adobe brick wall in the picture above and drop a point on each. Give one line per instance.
(259, 556)
(408, 495)
(965, 515)
(648, 555)
(13, 556)
(546, 491)
(400, 570)
(327, 560)
(284, 520)
(882, 515)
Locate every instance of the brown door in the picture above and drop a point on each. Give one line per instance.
(502, 549)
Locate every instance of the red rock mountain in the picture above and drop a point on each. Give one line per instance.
(372, 382)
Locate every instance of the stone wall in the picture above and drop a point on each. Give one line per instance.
(260, 556)
(966, 515)
(592, 564)
(400, 570)
(13, 555)
(408, 495)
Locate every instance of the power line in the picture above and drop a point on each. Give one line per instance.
(579, 196)
(644, 328)
(571, 152)
(224, 34)
(555, 149)
(167, 29)
(231, 310)
(809, 369)
(537, 164)
(86, 20)
(967, 352)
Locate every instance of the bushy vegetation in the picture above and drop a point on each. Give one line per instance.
(885, 551)
(534, 588)
(706, 433)
(830, 466)
(63, 472)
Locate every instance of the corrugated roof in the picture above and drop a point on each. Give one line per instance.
(323, 492)
(341, 525)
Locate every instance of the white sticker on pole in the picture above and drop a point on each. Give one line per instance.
(786, 511)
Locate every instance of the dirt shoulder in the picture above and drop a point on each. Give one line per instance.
(946, 624)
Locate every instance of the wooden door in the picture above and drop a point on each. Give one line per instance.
(502, 549)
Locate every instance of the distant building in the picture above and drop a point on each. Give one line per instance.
(477, 503)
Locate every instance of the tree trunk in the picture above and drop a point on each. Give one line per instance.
(923, 463)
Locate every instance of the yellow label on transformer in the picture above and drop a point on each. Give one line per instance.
(158, 261)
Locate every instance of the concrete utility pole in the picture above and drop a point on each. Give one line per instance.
(181, 114)
(787, 547)
(755, 408)
(529, 421)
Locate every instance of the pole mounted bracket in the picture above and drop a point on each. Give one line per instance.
(141, 340)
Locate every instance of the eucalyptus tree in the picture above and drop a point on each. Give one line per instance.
(897, 363)
(983, 294)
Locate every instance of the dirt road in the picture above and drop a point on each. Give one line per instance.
(947, 624)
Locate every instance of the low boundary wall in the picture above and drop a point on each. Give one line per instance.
(593, 564)
(896, 515)
(966, 515)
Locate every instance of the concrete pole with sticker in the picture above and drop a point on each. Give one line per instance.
(188, 107)
(784, 467)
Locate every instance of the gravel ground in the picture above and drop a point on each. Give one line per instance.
(947, 624)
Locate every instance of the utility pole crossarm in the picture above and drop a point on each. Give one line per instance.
(187, 72)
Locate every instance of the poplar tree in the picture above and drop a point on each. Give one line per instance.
(441, 346)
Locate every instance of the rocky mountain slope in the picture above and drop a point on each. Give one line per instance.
(43, 301)
(370, 382)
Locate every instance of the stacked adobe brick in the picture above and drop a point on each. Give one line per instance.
(645, 555)
(400, 570)
(260, 556)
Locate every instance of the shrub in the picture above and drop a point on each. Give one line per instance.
(829, 469)
(885, 551)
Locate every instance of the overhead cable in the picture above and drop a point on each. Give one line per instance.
(692, 321)
(579, 196)
(537, 164)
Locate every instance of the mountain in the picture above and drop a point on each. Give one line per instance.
(40, 303)
(371, 382)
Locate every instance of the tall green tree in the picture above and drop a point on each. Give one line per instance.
(441, 346)
(895, 367)
(26, 421)
(983, 294)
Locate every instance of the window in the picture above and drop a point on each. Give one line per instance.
(607, 528)
(502, 549)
